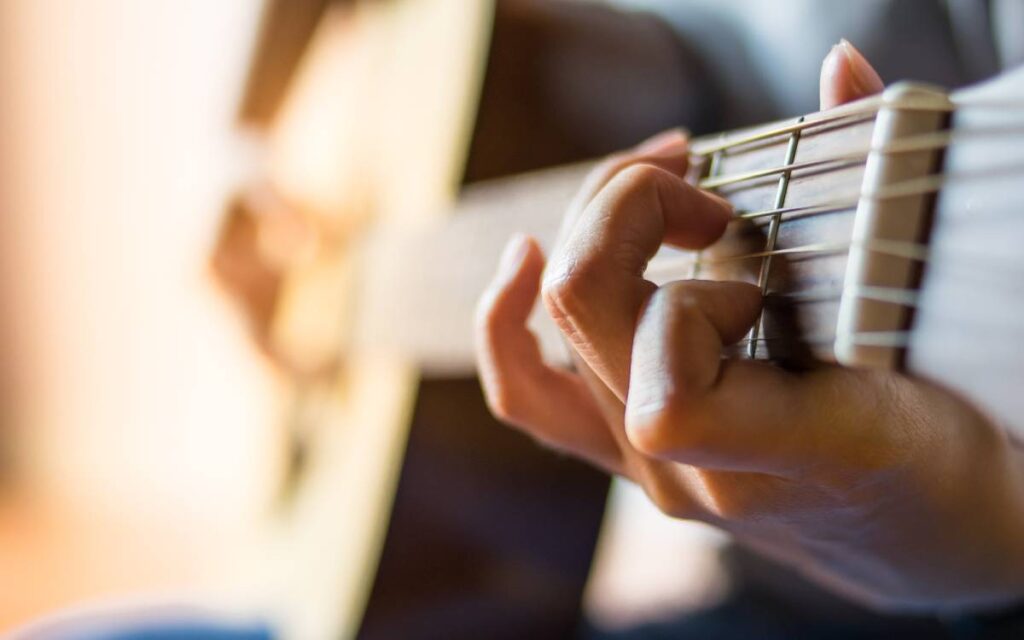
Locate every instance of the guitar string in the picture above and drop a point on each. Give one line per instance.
(894, 295)
(896, 248)
(899, 338)
(930, 141)
(913, 186)
(823, 340)
(851, 116)
(665, 269)
(724, 143)
(893, 339)
(903, 296)
(910, 187)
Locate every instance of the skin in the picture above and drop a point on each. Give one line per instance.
(881, 487)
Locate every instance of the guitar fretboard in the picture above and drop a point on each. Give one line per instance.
(797, 187)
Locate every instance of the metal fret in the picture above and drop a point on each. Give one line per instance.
(773, 233)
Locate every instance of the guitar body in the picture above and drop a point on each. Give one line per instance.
(394, 457)
(966, 332)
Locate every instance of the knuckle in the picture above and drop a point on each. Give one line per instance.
(729, 505)
(502, 404)
(756, 500)
(671, 306)
(650, 435)
(683, 299)
(488, 316)
(484, 314)
(568, 291)
(637, 177)
(668, 496)
(679, 429)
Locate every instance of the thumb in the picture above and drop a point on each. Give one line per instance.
(846, 75)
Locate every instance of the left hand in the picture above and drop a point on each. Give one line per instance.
(883, 487)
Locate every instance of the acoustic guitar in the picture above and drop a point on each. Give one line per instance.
(821, 205)
(865, 227)
(883, 233)
(401, 492)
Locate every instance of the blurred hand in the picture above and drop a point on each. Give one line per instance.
(884, 488)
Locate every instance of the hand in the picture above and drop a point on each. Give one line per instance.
(882, 487)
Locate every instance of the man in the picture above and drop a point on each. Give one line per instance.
(881, 488)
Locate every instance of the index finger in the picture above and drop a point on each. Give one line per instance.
(668, 150)
(594, 285)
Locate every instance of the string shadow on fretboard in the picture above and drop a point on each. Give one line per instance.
(783, 335)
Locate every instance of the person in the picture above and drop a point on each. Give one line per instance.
(882, 488)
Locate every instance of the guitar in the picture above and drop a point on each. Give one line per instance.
(388, 460)
(818, 200)
(348, 476)
(882, 234)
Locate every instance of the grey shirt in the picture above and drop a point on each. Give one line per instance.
(762, 57)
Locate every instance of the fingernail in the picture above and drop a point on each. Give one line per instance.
(863, 75)
(669, 142)
(513, 254)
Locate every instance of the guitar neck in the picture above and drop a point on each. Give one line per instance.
(418, 297)
(816, 229)
(797, 186)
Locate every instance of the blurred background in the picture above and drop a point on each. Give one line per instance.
(240, 242)
(240, 246)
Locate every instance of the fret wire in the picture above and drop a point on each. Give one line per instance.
(773, 232)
